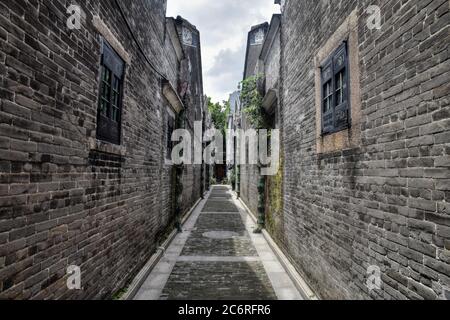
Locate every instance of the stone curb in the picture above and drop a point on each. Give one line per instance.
(155, 258)
(301, 285)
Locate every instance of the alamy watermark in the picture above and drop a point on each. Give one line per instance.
(74, 279)
(253, 147)
(374, 19)
(74, 20)
(374, 278)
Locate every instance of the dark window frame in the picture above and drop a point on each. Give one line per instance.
(169, 131)
(336, 115)
(110, 98)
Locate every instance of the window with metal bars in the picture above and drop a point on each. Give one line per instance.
(335, 89)
(110, 100)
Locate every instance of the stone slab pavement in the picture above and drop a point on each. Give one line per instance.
(218, 257)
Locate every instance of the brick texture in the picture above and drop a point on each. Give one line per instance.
(65, 198)
(384, 203)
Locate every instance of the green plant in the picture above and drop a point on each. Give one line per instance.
(252, 99)
(119, 294)
(219, 114)
(233, 178)
(252, 102)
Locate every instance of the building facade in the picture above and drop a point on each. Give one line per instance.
(363, 103)
(235, 107)
(249, 173)
(89, 100)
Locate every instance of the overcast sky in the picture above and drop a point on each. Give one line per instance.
(223, 26)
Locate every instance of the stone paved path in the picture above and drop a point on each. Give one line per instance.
(217, 257)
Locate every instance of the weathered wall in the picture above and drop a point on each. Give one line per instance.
(66, 198)
(249, 173)
(274, 183)
(272, 64)
(385, 202)
(191, 88)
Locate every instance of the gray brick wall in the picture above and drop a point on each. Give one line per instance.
(64, 201)
(253, 66)
(249, 186)
(384, 203)
(194, 102)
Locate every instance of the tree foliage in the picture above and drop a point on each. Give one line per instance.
(219, 113)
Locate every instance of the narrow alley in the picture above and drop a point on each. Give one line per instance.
(171, 150)
(218, 257)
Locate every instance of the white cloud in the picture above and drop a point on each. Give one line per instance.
(223, 27)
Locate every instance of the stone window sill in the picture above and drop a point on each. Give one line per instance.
(106, 147)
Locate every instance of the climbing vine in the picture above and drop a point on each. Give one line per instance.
(252, 101)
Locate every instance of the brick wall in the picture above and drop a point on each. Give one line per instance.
(66, 198)
(249, 173)
(384, 202)
(271, 59)
(193, 101)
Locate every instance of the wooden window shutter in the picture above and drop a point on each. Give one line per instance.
(112, 61)
(110, 96)
(327, 97)
(341, 89)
